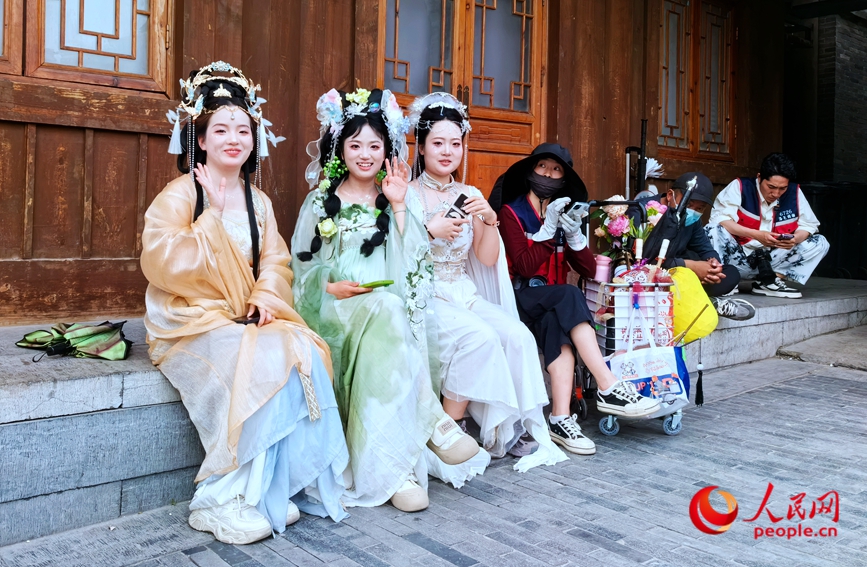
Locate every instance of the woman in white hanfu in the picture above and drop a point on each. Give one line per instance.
(489, 365)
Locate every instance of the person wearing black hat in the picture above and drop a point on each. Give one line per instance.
(690, 247)
(542, 235)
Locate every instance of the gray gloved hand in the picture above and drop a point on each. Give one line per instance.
(574, 237)
(552, 219)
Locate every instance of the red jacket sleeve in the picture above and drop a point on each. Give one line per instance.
(525, 259)
(582, 261)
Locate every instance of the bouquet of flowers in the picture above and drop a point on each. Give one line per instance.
(616, 226)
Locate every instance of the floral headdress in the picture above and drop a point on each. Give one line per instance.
(333, 117)
(437, 100)
(193, 105)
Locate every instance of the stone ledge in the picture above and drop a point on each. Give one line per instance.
(61, 386)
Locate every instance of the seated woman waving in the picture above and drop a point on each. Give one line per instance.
(488, 361)
(543, 204)
(353, 233)
(222, 328)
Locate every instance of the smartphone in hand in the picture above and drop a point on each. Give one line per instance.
(785, 237)
(456, 211)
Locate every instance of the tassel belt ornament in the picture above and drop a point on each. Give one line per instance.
(450, 271)
(310, 396)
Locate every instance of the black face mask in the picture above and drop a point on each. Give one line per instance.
(545, 187)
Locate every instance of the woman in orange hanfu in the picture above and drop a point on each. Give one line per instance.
(223, 329)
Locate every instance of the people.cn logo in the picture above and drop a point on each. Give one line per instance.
(702, 513)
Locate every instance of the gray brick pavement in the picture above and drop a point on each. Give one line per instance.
(796, 425)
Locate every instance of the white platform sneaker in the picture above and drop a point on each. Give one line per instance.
(451, 444)
(410, 497)
(235, 523)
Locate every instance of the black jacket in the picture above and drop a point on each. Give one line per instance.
(685, 242)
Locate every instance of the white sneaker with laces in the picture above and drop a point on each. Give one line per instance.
(235, 522)
(410, 497)
(450, 442)
(624, 399)
(567, 434)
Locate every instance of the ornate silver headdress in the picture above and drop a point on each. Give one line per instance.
(438, 100)
(193, 103)
(333, 117)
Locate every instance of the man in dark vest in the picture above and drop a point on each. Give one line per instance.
(766, 228)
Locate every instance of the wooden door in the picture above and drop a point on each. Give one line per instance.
(489, 54)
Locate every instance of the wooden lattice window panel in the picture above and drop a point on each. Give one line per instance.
(418, 47)
(503, 51)
(121, 43)
(696, 78)
(11, 36)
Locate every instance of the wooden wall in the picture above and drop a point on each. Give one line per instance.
(79, 165)
(606, 65)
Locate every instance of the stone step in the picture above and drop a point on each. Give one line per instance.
(86, 441)
(828, 305)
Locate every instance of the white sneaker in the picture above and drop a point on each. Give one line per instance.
(567, 434)
(450, 443)
(235, 523)
(410, 497)
(293, 514)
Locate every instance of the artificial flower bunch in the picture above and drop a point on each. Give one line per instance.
(616, 225)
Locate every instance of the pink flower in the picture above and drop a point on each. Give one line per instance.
(600, 232)
(618, 226)
(656, 206)
(332, 96)
(653, 219)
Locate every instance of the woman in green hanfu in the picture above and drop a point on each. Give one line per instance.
(354, 230)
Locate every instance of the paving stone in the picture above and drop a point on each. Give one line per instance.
(229, 553)
(440, 550)
(627, 505)
(207, 558)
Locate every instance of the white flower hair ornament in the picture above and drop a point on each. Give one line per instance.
(193, 105)
(333, 115)
(437, 100)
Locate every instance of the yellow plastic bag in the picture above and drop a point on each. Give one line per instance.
(689, 299)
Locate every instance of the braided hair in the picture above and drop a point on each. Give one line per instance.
(212, 104)
(336, 175)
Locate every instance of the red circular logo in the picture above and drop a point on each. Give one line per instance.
(702, 513)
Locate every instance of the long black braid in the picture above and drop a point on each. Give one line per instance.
(211, 104)
(332, 203)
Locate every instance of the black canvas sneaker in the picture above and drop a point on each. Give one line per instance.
(624, 399)
(777, 288)
(567, 434)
